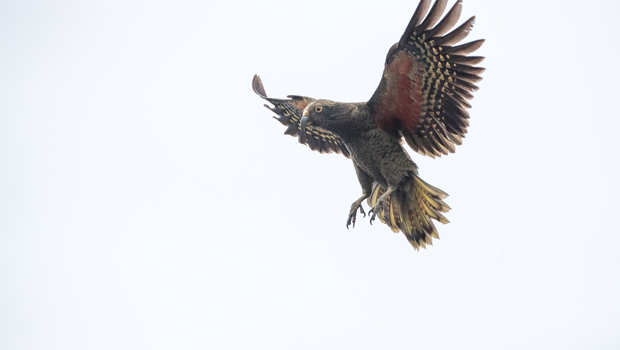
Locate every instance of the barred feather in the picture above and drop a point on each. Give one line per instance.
(289, 114)
(412, 208)
(440, 77)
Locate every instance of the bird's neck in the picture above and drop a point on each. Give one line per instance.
(358, 119)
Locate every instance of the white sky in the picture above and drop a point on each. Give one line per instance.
(149, 201)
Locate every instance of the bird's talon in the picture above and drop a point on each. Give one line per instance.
(353, 213)
(376, 209)
(351, 220)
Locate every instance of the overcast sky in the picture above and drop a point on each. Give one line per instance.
(149, 201)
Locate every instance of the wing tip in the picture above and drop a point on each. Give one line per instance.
(418, 15)
(257, 86)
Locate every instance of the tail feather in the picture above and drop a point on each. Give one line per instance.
(395, 214)
(391, 215)
(412, 209)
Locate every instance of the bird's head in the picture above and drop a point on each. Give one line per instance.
(321, 113)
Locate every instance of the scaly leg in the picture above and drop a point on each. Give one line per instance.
(381, 205)
(353, 212)
(366, 183)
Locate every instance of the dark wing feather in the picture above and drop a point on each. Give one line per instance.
(427, 81)
(289, 114)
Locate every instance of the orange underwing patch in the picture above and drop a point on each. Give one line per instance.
(402, 103)
(299, 104)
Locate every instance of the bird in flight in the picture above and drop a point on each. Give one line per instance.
(421, 100)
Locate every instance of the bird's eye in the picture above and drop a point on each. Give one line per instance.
(319, 109)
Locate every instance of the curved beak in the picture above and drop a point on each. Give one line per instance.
(302, 129)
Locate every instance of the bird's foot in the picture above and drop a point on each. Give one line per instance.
(380, 206)
(353, 213)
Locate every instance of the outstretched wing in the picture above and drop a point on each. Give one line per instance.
(427, 81)
(289, 114)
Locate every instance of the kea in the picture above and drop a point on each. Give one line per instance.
(421, 101)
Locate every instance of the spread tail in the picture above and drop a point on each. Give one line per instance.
(411, 208)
